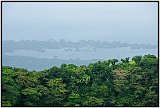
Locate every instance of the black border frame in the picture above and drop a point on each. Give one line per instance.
(78, 1)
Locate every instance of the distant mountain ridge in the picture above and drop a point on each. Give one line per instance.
(32, 63)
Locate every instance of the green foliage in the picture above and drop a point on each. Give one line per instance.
(93, 101)
(137, 59)
(104, 83)
(126, 60)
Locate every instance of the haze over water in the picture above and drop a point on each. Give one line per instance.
(134, 23)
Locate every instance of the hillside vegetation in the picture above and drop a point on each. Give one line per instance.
(127, 82)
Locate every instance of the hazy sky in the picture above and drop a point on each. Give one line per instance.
(107, 21)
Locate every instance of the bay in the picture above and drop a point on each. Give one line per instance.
(85, 53)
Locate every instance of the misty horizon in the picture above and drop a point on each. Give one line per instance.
(62, 32)
(124, 22)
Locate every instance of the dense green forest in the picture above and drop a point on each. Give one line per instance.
(127, 82)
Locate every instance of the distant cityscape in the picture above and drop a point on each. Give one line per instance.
(80, 45)
(39, 55)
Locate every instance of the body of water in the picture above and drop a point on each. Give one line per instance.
(85, 53)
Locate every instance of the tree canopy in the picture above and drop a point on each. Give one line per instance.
(129, 82)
